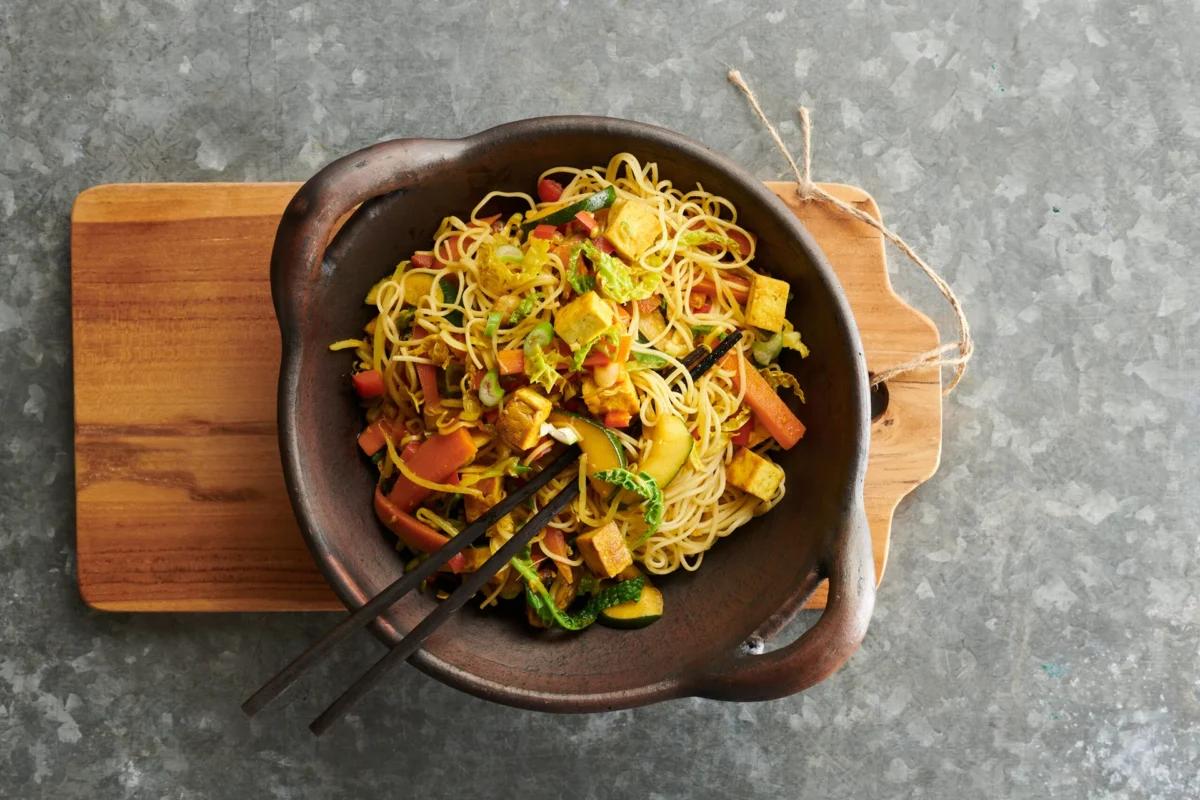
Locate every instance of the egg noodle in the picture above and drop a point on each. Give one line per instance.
(483, 288)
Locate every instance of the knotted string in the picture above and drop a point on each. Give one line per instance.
(955, 354)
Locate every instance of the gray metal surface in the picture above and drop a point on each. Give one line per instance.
(1037, 631)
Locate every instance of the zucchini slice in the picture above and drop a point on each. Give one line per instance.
(671, 445)
(637, 613)
(593, 202)
(597, 442)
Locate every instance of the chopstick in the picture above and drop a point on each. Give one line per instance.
(472, 583)
(697, 363)
(407, 582)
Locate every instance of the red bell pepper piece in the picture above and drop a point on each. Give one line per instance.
(617, 419)
(368, 384)
(548, 190)
(596, 358)
(544, 232)
(742, 437)
(587, 222)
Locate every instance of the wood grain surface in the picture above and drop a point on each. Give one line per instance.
(180, 502)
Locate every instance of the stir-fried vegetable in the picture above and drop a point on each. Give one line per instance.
(368, 384)
(435, 460)
(769, 409)
(578, 279)
(547, 609)
(414, 533)
(490, 390)
(616, 279)
(767, 350)
(538, 363)
(592, 203)
(644, 486)
(511, 339)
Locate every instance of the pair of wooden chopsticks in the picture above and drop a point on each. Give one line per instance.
(697, 363)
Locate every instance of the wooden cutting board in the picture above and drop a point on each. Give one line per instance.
(180, 502)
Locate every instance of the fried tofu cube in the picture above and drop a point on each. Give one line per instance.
(766, 306)
(632, 227)
(583, 319)
(621, 396)
(520, 422)
(754, 474)
(604, 551)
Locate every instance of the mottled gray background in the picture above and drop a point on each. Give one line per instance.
(1037, 632)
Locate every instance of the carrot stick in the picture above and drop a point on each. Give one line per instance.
(769, 409)
(737, 285)
(510, 362)
(623, 348)
(435, 459)
(415, 534)
(649, 305)
(617, 419)
(374, 436)
(427, 375)
(554, 543)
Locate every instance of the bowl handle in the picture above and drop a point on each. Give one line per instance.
(313, 214)
(824, 647)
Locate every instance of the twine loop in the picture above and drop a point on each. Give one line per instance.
(950, 354)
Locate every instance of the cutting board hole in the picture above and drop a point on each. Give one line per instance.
(879, 401)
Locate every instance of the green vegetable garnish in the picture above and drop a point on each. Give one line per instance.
(616, 279)
(580, 281)
(650, 361)
(778, 379)
(539, 365)
(490, 390)
(587, 583)
(645, 487)
(493, 324)
(525, 308)
(767, 350)
(791, 340)
(695, 238)
(703, 330)
(539, 599)
(510, 253)
(540, 336)
(449, 288)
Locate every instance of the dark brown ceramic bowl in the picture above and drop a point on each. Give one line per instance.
(750, 583)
